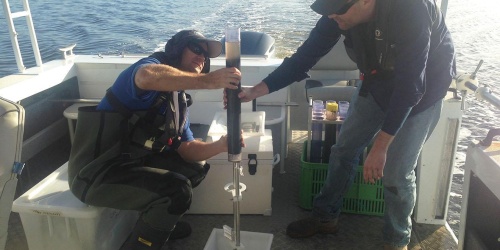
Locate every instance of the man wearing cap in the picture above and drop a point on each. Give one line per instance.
(158, 185)
(406, 56)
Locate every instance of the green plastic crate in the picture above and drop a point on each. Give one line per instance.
(361, 198)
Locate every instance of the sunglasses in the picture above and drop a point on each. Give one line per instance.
(345, 8)
(197, 49)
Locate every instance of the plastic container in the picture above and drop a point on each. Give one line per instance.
(343, 108)
(318, 113)
(316, 141)
(318, 110)
(54, 219)
(362, 198)
(332, 109)
(211, 198)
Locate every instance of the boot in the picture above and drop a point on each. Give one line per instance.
(145, 237)
(310, 226)
(182, 230)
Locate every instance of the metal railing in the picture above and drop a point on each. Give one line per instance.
(469, 84)
(9, 16)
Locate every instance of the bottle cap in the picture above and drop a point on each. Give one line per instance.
(332, 107)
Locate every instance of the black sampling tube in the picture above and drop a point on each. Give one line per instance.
(233, 59)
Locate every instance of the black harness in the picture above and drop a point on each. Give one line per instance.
(371, 45)
(153, 130)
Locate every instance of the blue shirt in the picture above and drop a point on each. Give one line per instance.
(424, 61)
(125, 90)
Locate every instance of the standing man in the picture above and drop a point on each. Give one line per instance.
(135, 151)
(406, 56)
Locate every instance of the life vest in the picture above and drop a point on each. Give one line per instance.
(165, 130)
(154, 131)
(371, 45)
(104, 139)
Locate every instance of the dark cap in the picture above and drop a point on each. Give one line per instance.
(328, 7)
(214, 47)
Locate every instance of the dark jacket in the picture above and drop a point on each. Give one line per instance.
(424, 60)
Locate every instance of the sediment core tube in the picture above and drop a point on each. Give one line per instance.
(233, 59)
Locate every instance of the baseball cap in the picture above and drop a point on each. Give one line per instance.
(328, 7)
(214, 47)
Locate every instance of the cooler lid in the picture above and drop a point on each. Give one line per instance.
(261, 146)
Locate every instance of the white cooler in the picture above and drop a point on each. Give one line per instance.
(211, 198)
(53, 218)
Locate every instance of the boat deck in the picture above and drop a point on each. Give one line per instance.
(356, 231)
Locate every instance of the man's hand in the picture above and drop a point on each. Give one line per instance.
(373, 168)
(222, 78)
(223, 141)
(249, 93)
(162, 77)
(200, 151)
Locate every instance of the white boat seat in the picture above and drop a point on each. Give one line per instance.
(333, 90)
(254, 44)
(336, 59)
(276, 107)
(337, 74)
(11, 137)
(71, 113)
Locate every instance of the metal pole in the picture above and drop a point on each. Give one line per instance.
(236, 204)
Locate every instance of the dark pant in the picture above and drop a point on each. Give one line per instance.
(160, 186)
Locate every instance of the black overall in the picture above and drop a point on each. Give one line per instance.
(109, 167)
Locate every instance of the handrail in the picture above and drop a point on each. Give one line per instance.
(9, 16)
(469, 84)
(484, 93)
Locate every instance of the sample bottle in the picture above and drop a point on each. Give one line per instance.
(316, 142)
(317, 131)
(330, 129)
(318, 110)
(331, 110)
(343, 107)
